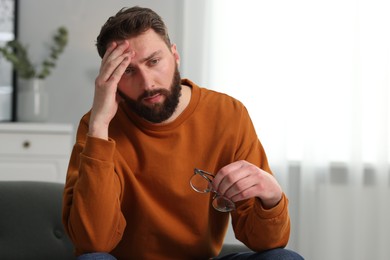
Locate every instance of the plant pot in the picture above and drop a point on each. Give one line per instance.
(32, 101)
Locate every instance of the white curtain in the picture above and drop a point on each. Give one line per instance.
(314, 76)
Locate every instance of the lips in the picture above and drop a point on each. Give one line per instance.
(153, 99)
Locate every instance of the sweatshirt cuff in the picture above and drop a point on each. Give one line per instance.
(99, 149)
(273, 212)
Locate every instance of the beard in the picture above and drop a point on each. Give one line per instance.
(160, 112)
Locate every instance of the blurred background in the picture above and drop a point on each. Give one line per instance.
(314, 76)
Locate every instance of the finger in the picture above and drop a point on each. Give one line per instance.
(109, 84)
(260, 184)
(113, 59)
(110, 48)
(220, 175)
(115, 49)
(110, 68)
(235, 183)
(117, 73)
(230, 174)
(246, 194)
(244, 188)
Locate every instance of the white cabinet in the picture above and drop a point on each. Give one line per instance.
(31, 151)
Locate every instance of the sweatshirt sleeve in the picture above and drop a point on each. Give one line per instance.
(262, 229)
(258, 228)
(91, 213)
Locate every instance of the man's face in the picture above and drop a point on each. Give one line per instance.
(151, 83)
(158, 111)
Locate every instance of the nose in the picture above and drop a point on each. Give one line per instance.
(146, 80)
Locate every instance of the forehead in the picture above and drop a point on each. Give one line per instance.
(147, 42)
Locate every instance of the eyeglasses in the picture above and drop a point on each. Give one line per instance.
(201, 182)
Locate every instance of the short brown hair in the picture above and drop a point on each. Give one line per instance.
(129, 22)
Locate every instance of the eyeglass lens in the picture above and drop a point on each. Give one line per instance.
(223, 204)
(201, 183)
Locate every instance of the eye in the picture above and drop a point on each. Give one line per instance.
(154, 61)
(129, 70)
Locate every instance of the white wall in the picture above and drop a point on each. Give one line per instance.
(71, 84)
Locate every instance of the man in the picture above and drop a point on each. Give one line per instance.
(128, 193)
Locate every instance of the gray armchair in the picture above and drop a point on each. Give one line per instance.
(30, 221)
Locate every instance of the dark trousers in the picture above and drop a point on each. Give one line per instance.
(274, 254)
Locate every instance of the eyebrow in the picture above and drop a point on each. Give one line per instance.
(131, 65)
(151, 56)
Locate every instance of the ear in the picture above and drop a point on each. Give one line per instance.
(175, 54)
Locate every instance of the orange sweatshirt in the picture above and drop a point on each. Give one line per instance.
(131, 196)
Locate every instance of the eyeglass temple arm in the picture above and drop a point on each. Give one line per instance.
(199, 171)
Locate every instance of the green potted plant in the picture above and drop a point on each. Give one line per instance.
(18, 55)
(32, 99)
